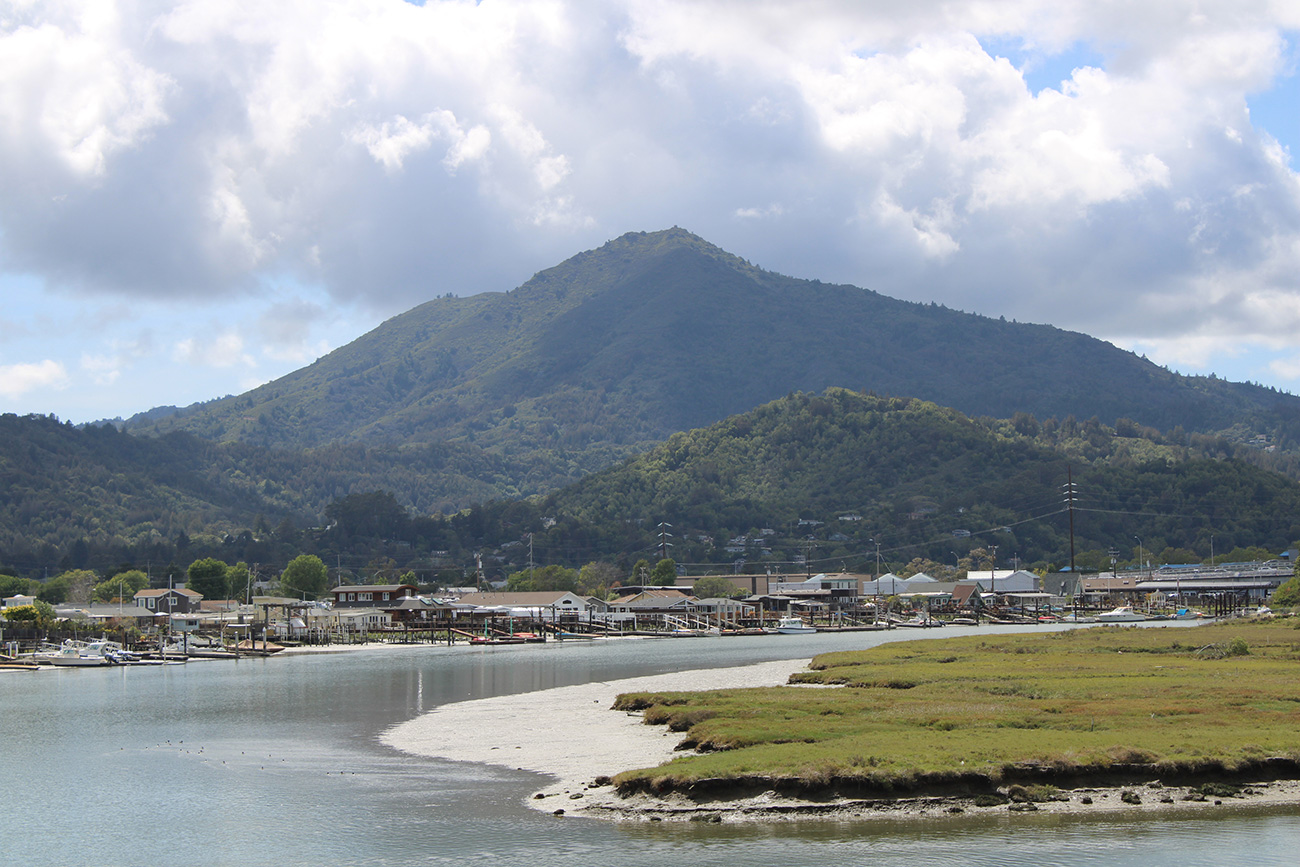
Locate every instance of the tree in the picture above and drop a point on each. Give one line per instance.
(11, 585)
(546, 578)
(641, 572)
(306, 575)
(373, 514)
(123, 585)
(74, 586)
(39, 614)
(208, 576)
(714, 587)
(237, 580)
(1288, 594)
(595, 579)
(664, 572)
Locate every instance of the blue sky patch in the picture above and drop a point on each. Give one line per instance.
(1042, 70)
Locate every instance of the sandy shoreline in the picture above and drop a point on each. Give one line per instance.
(572, 734)
(569, 732)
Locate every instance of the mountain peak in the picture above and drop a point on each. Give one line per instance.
(657, 332)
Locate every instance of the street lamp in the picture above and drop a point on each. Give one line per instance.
(1140, 553)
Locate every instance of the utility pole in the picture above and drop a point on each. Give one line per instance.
(993, 572)
(530, 558)
(1071, 495)
(664, 536)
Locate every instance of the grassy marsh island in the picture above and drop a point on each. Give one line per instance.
(1210, 708)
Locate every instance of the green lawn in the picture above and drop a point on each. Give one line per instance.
(914, 714)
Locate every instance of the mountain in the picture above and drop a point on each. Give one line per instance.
(617, 348)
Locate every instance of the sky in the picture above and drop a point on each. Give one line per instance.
(199, 197)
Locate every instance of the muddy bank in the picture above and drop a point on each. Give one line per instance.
(1154, 797)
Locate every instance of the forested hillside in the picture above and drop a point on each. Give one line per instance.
(619, 347)
(822, 476)
(837, 472)
(73, 496)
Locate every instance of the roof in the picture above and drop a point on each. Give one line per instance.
(415, 603)
(521, 599)
(163, 591)
(656, 602)
(382, 588)
(651, 594)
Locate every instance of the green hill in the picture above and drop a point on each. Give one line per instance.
(825, 476)
(929, 482)
(617, 348)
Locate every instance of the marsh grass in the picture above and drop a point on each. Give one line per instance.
(1087, 699)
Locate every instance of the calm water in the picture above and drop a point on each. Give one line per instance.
(277, 762)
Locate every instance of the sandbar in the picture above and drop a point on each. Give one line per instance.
(571, 733)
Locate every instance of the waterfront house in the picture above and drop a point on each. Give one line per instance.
(1109, 588)
(652, 602)
(169, 600)
(837, 590)
(371, 595)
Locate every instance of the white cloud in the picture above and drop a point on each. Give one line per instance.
(71, 87)
(16, 380)
(385, 152)
(772, 210)
(1287, 368)
(392, 141)
(219, 350)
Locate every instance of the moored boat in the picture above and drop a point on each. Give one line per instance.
(1122, 614)
(791, 626)
(73, 654)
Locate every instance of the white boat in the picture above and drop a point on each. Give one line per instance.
(73, 653)
(1122, 614)
(791, 626)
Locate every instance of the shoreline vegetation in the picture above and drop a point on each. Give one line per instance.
(1015, 720)
(1089, 720)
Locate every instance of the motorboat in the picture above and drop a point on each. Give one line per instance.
(791, 626)
(72, 653)
(1122, 614)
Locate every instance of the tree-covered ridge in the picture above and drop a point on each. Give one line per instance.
(824, 476)
(73, 495)
(653, 333)
(845, 468)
